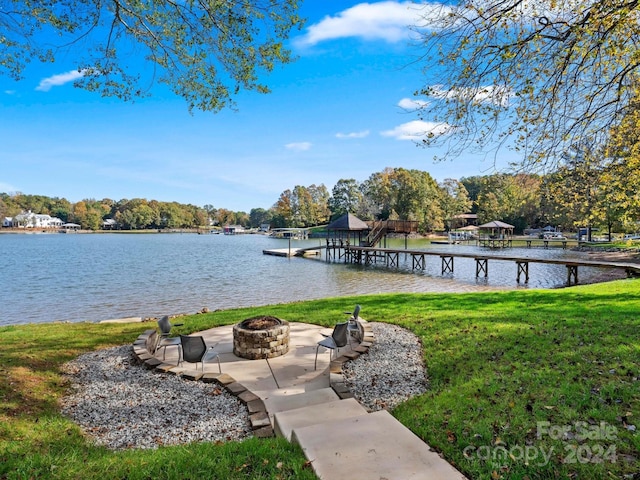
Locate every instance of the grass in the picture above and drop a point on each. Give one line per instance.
(508, 371)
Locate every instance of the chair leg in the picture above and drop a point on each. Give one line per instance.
(315, 365)
(217, 357)
(164, 352)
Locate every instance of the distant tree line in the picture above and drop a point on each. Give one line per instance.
(137, 213)
(582, 193)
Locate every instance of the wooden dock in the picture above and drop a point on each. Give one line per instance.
(546, 243)
(496, 243)
(293, 252)
(390, 257)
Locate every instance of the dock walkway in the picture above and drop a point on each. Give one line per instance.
(369, 255)
(391, 258)
(294, 252)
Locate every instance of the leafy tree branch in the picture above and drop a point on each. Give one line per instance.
(205, 51)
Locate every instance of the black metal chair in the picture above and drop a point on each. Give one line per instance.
(194, 350)
(337, 340)
(164, 340)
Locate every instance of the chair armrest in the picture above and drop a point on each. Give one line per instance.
(210, 353)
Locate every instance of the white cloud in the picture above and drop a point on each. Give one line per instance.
(416, 130)
(10, 92)
(57, 80)
(496, 94)
(7, 188)
(412, 104)
(298, 147)
(388, 21)
(362, 134)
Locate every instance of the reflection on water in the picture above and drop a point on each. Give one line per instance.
(79, 277)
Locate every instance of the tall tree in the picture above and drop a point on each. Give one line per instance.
(514, 199)
(226, 217)
(454, 200)
(205, 51)
(242, 218)
(406, 195)
(346, 197)
(136, 213)
(317, 211)
(622, 176)
(302, 207)
(594, 190)
(173, 215)
(378, 193)
(544, 75)
(211, 212)
(472, 185)
(284, 209)
(10, 206)
(259, 216)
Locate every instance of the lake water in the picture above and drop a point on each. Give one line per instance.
(92, 277)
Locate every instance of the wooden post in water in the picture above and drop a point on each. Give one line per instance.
(523, 267)
(482, 265)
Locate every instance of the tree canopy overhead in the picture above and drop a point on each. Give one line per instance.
(540, 75)
(205, 51)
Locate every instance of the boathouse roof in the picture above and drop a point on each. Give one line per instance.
(348, 222)
(496, 224)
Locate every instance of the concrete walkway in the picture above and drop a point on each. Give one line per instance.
(313, 408)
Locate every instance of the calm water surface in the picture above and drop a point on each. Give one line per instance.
(84, 277)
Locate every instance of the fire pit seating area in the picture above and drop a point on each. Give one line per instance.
(261, 337)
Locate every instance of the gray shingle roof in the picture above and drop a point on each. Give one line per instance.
(348, 222)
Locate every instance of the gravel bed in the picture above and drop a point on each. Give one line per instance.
(391, 372)
(120, 404)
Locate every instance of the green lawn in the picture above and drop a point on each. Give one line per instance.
(509, 372)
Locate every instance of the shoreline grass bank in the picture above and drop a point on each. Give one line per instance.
(533, 384)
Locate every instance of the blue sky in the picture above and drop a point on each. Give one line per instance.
(337, 112)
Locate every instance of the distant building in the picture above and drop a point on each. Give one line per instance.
(109, 224)
(34, 220)
(464, 220)
(233, 229)
(71, 227)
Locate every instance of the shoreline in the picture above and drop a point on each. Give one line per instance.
(45, 231)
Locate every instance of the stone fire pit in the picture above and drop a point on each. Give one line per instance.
(261, 337)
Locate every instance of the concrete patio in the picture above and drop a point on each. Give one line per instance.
(286, 396)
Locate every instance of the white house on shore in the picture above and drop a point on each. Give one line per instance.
(32, 220)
